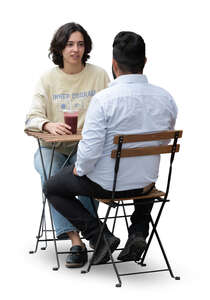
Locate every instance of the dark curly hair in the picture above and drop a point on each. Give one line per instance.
(129, 52)
(60, 40)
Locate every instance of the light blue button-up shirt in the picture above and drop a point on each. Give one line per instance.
(130, 105)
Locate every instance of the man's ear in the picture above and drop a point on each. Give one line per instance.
(115, 67)
(114, 63)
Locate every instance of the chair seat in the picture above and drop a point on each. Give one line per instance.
(153, 194)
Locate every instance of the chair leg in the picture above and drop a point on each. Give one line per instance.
(152, 233)
(126, 220)
(44, 229)
(40, 231)
(114, 222)
(119, 284)
(101, 235)
(163, 251)
(42, 226)
(98, 241)
(54, 240)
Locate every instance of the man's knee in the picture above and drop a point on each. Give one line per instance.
(45, 189)
(51, 187)
(48, 188)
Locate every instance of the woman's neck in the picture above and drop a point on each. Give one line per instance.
(72, 69)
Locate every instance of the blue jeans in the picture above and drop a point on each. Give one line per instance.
(61, 224)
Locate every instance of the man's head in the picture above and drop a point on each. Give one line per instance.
(128, 53)
(60, 42)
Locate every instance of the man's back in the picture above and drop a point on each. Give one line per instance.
(129, 106)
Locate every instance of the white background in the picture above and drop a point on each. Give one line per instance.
(178, 48)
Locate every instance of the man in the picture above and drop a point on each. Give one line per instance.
(130, 105)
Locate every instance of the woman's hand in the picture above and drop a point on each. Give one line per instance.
(57, 128)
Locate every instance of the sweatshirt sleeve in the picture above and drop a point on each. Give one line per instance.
(106, 79)
(37, 115)
(90, 148)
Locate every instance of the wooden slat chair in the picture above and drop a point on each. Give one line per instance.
(154, 196)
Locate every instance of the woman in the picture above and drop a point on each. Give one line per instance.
(69, 85)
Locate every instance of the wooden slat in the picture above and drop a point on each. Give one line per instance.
(153, 150)
(47, 137)
(63, 138)
(36, 134)
(155, 136)
(153, 194)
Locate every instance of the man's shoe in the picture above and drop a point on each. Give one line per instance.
(91, 245)
(134, 247)
(77, 258)
(102, 254)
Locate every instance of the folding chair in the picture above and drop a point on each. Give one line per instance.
(154, 196)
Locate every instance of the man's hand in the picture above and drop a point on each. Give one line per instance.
(57, 128)
(75, 172)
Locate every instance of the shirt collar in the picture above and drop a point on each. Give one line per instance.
(129, 78)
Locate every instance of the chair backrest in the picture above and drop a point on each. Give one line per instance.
(147, 137)
(172, 135)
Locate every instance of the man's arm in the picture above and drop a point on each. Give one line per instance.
(90, 148)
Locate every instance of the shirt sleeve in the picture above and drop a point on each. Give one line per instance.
(172, 108)
(90, 148)
(37, 115)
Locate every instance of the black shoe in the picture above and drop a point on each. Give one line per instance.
(102, 254)
(134, 247)
(77, 258)
(91, 246)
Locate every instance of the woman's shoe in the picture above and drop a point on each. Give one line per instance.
(77, 257)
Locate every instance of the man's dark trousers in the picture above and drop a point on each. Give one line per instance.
(61, 191)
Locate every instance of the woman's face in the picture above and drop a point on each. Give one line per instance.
(74, 50)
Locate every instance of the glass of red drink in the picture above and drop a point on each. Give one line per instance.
(70, 118)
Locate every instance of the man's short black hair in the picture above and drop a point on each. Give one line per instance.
(129, 52)
(60, 40)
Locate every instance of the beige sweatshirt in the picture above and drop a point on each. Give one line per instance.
(57, 91)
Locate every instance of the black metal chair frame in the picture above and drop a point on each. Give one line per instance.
(117, 154)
